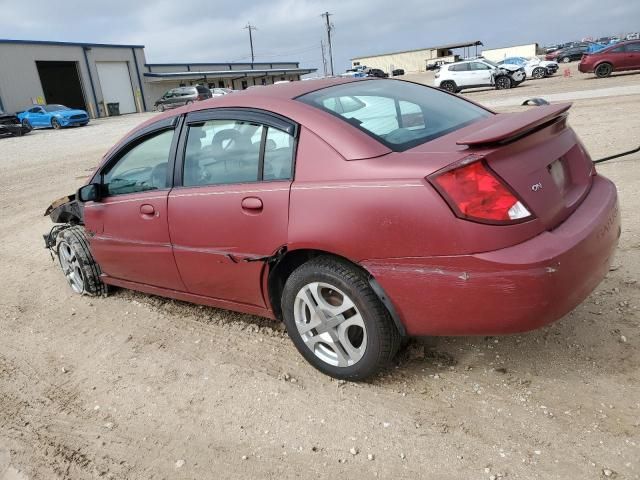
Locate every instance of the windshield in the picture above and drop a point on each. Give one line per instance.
(398, 114)
(55, 108)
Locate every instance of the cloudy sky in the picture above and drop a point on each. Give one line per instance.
(196, 31)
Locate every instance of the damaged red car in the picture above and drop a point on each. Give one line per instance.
(358, 211)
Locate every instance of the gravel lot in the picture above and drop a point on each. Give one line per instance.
(134, 386)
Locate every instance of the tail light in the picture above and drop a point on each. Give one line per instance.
(476, 193)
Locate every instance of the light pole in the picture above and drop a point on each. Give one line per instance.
(250, 27)
(326, 16)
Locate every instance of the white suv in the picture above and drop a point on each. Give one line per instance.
(478, 72)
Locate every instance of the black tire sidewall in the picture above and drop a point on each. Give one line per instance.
(76, 238)
(366, 305)
(539, 74)
(608, 72)
(501, 79)
(448, 86)
(55, 124)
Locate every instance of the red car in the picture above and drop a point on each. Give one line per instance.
(616, 58)
(358, 211)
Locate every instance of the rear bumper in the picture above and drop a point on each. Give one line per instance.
(510, 290)
(585, 67)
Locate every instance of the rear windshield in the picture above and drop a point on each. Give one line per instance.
(398, 114)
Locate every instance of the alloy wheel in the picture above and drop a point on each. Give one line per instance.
(330, 324)
(71, 267)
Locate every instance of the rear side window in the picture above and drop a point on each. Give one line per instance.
(633, 47)
(461, 67)
(398, 114)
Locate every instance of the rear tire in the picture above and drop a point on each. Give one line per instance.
(503, 82)
(603, 70)
(77, 263)
(449, 86)
(565, 59)
(336, 321)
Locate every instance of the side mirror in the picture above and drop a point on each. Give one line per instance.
(89, 193)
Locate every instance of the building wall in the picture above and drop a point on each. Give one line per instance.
(414, 61)
(497, 54)
(20, 81)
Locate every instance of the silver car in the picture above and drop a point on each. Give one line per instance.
(177, 97)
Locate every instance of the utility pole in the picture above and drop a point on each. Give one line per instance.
(324, 58)
(326, 16)
(250, 27)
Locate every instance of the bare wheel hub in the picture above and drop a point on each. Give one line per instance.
(71, 267)
(330, 324)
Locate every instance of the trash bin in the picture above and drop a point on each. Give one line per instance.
(113, 109)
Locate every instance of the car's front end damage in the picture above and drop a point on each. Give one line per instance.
(10, 125)
(64, 212)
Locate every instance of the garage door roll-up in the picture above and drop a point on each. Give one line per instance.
(115, 82)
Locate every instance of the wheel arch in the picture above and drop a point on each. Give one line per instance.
(286, 264)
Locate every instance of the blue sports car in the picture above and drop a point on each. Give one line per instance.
(55, 116)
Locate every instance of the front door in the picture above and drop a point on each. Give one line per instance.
(480, 73)
(128, 227)
(233, 206)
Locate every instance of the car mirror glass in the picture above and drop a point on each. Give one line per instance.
(89, 193)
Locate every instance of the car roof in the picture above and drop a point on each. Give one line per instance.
(351, 143)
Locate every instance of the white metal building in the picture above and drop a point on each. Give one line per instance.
(89, 76)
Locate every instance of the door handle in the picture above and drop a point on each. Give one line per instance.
(252, 203)
(147, 210)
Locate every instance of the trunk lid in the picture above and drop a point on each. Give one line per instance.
(538, 157)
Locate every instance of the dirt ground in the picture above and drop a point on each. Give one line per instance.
(135, 386)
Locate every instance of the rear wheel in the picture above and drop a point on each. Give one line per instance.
(160, 107)
(336, 321)
(539, 72)
(565, 59)
(603, 70)
(55, 123)
(78, 266)
(503, 82)
(26, 124)
(449, 86)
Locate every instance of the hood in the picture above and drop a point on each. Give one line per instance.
(548, 63)
(510, 66)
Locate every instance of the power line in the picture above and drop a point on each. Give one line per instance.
(250, 27)
(330, 27)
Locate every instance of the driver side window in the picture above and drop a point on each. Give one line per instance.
(141, 168)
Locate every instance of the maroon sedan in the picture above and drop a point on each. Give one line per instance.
(617, 58)
(357, 211)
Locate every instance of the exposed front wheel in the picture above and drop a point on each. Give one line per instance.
(78, 266)
(55, 123)
(604, 70)
(566, 59)
(336, 321)
(503, 82)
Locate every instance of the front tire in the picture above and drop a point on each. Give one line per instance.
(336, 321)
(449, 86)
(603, 70)
(503, 82)
(565, 59)
(78, 265)
(55, 124)
(539, 72)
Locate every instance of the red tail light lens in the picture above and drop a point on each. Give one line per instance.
(475, 193)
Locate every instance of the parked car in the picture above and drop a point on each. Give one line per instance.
(376, 72)
(219, 92)
(633, 36)
(435, 64)
(53, 116)
(358, 211)
(177, 97)
(567, 55)
(478, 72)
(615, 58)
(397, 72)
(533, 67)
(10, 125)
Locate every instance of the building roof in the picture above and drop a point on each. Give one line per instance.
(67, 44)
(200, 64)
(227, 73)
(441, 47)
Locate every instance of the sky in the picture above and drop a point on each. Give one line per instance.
(291, 30)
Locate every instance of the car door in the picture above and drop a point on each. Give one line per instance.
(127, 226)
(461, 74)
(480, 73)
(231, 207)
(37, 117)
(632, 56)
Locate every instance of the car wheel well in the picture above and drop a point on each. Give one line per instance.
(292, 259)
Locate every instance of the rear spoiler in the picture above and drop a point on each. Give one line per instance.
(510, 126)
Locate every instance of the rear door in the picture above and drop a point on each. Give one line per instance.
(462, 75)
(231, 208)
